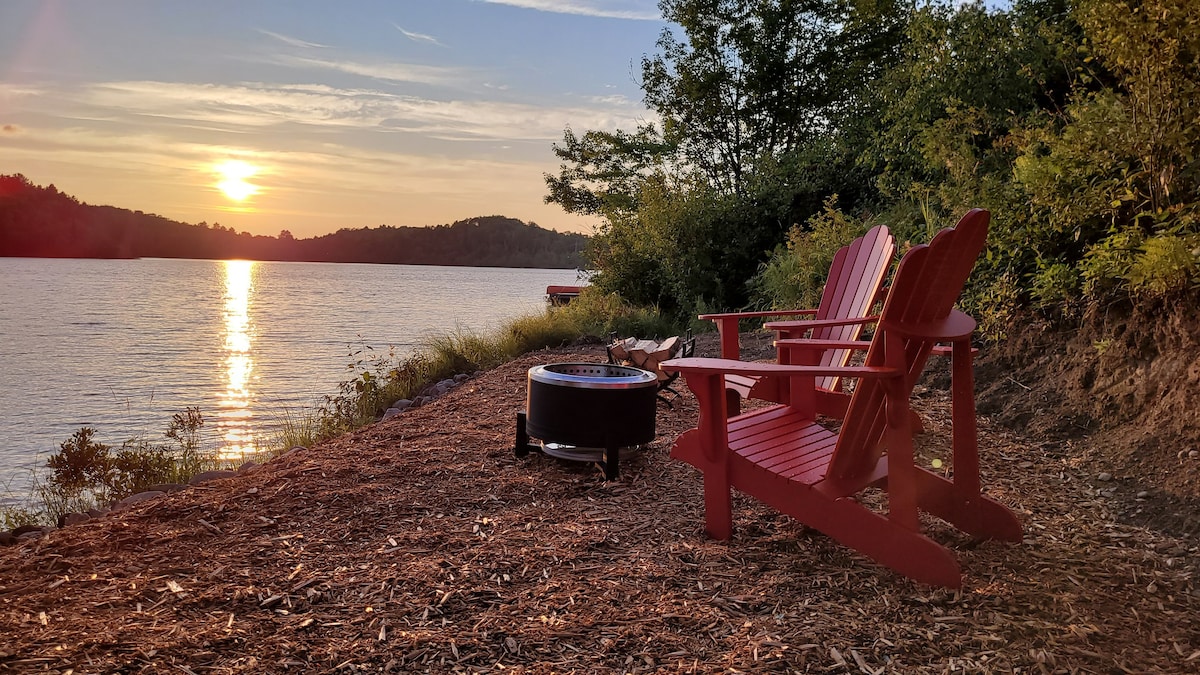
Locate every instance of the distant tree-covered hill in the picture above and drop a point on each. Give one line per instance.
(42, 222)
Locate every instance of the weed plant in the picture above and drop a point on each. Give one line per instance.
(87, 474)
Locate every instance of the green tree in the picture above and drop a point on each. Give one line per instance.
(601, 172)
(745, 82)
(746, 101)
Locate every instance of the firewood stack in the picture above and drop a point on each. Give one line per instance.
(645, 354)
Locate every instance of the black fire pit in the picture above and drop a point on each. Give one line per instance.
(587, 412)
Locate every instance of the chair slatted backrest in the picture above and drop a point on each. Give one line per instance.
(855, 278)
(927, 284)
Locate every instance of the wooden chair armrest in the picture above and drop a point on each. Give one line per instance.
(788, 326)
(956, 326)
(821, 345)
(727, 326)
(714, 367)
(758, 315)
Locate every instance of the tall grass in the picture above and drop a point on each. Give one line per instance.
(381, 379)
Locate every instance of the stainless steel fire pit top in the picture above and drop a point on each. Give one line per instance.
(593, 376)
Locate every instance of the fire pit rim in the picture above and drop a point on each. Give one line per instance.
(631, 378)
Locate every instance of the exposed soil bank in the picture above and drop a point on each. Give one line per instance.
(1118, 394)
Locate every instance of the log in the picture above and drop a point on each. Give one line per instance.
(620, 348)
(645, 346)
(666, 349)
(645, 354)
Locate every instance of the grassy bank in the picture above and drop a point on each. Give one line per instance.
(85, 474)
(381, 379)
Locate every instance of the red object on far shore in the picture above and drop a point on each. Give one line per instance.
(561, 295)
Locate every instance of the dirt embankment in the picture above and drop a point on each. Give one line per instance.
(1118, 395)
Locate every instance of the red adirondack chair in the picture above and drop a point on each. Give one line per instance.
(851, 290)
(783, 457)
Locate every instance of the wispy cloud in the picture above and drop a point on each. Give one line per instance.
(391, 72)
(640, 10)
(12, 90)
(496, 121)
(614, 100)
(295, 42)
(259, 106)
(418, 37)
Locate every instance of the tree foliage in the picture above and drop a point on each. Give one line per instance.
(1074, 121)
(745, 82)
(602, 171)
(742, 148)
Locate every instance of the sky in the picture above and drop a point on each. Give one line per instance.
(314, 115)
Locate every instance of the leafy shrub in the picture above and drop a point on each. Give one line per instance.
(136, 467)
(993, 305)
(1056, 285)
(86, 473)
(363, 397)
(1106, 266)
(1164, 265)
(81, 462)
(795, 274)
(597, 313)
(15, 515)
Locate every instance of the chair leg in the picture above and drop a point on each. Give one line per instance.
(909, 553)
(976, 515)
(884, 540)
(733, 403)
(718, 509)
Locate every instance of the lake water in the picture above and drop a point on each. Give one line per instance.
(122, 345)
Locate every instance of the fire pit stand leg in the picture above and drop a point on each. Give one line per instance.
(523, 446)
(612, 457)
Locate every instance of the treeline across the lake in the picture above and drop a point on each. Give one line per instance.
(40, 221)
(786, 128)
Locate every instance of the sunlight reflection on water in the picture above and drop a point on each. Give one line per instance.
(234, 417)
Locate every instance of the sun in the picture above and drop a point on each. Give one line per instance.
(233, 173)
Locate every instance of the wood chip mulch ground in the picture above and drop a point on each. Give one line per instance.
(422, 544)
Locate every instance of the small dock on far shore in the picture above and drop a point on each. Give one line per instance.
(561, 295)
